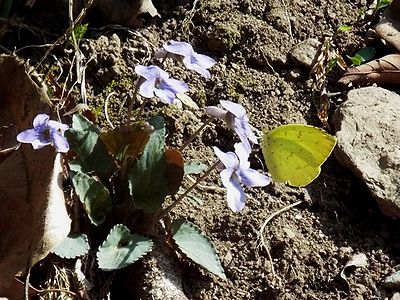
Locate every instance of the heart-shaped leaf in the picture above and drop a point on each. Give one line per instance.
(81, 123)
(73, 246)
(148, 184)
(196, 246)
(121, 248)
(92, 155)
(93, 194)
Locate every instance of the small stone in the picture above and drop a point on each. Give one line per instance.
(396, 296)
(294, 74)
(304, 53)
(368, 134)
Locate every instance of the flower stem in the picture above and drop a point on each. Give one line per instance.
(130, 102)
(171, 207)
(141, 109)
(195, 134)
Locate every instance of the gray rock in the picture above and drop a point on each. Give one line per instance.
(305, 53)
(368, 133)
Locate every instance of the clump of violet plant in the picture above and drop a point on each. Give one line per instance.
(130, 172)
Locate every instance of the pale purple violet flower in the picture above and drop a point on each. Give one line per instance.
(158, 83)
(184, 52)
(45, 132)
(237, 171)
(236, 119)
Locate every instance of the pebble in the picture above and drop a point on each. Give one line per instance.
(304, 53)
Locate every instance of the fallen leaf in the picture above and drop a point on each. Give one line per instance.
(33, 218)
(383, 70)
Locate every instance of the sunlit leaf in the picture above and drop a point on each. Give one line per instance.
(194, 168)
(74, 245)
(363, 55)
(196, 246)
(147, 179)
(344, 28)
(121, 248)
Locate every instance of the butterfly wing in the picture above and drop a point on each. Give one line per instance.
(294, 153)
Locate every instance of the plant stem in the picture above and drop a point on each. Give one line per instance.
(141, 109)
(130, 102)
(195, 134)
(171, 207)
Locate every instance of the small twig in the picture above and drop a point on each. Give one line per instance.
(188, 19)
(206, 187)
(59, 291)
(195, 134)
(288, 20)
(106, 109)
(171, 207)
(261, 232)
(62, 38)
(130, 103)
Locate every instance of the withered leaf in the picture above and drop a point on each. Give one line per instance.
(383, 70)
(33, 217)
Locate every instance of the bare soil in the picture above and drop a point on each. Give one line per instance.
(308, 244)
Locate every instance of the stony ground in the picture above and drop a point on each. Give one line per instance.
(336, 218)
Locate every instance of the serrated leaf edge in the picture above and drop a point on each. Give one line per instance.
(115, 228)
(208, 240)
(75, 256)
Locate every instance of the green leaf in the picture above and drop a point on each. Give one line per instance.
(121, 248)
(344, 28)
(355, 60)
(196, 246)
(382, 4)
(93, 194)
(81, 123)
(194, 168)
(73, 246)
(79, 31)
(92, 155)
(127, 141)
(148, 184)
(331, 64)
(363, 55)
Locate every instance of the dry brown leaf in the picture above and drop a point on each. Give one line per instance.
(383, 70)
(33, 218)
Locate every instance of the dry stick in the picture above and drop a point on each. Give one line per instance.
(171, 207)
(80, 68)
(196, 133)
(288, 20)
(206, 187)
(106, 109)
(263, 242)
(52, 290)
(62, 38)
(130, 103)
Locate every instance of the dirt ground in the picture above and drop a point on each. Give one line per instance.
(337, 218)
